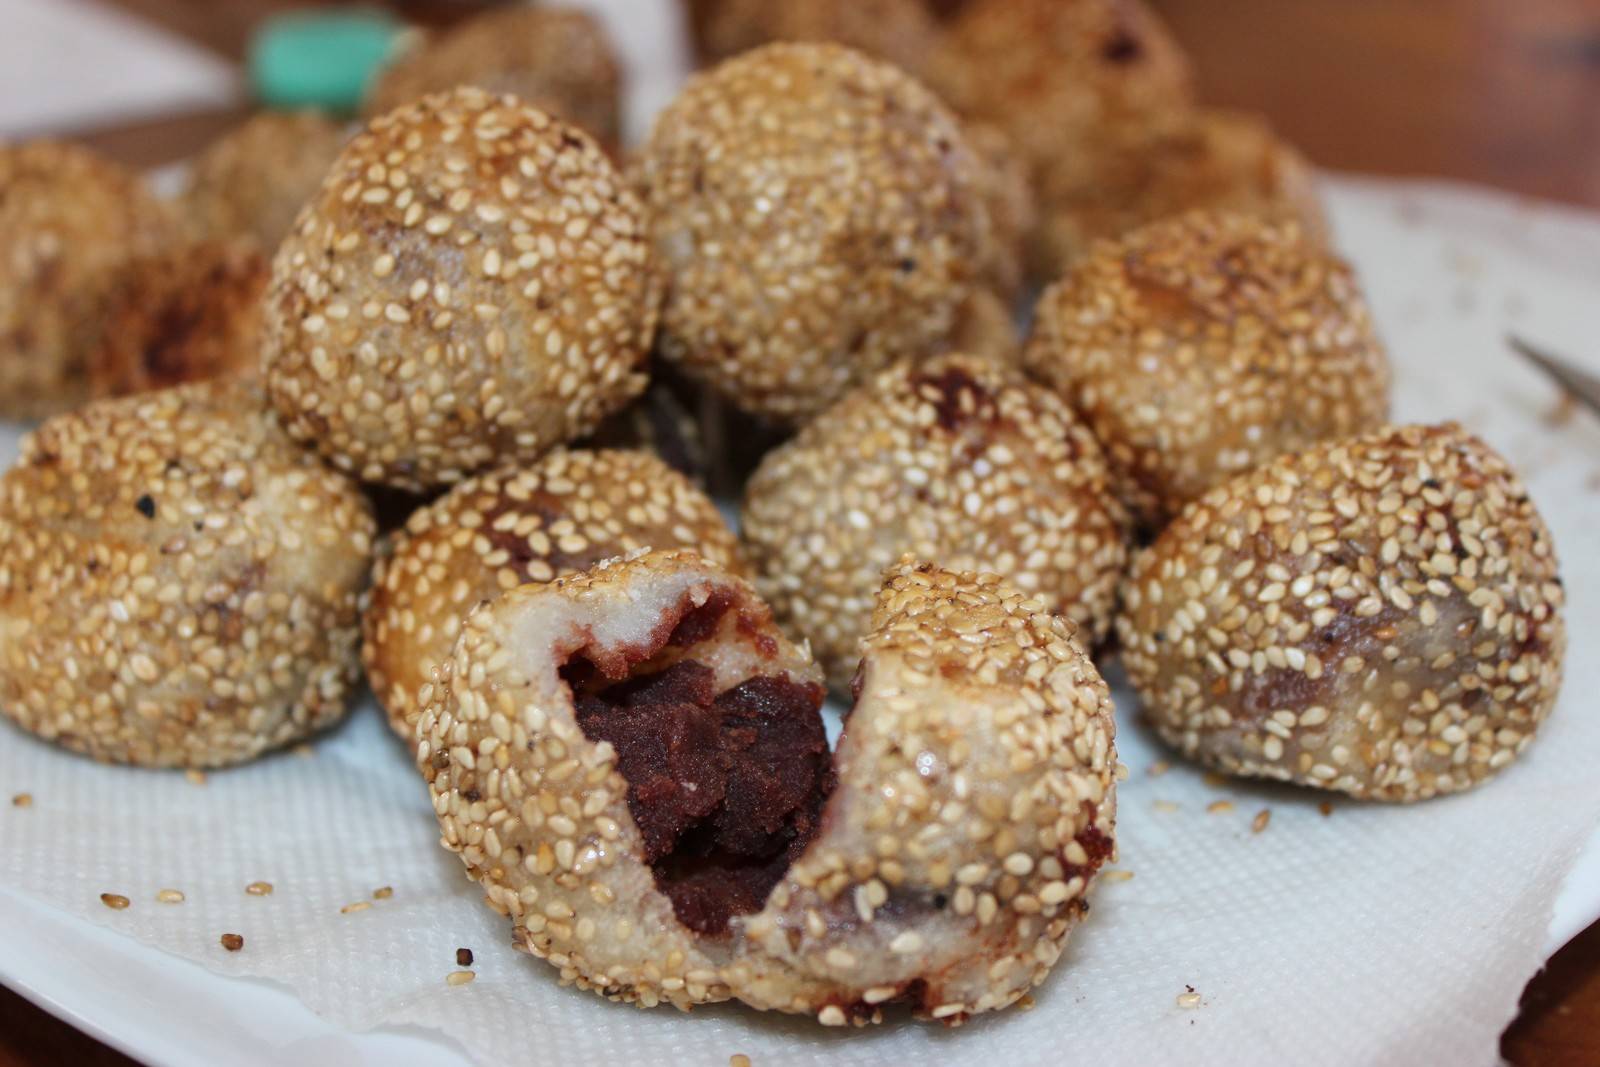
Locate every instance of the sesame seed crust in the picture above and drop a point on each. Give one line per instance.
(1202, 346)
(179, 582)
(1211, 159)
(958, 461)
(975, 803)
(472, 285)
(252, 181)
(70, 223)
(556, 59)
(1379, 616)
(500, 530)
(537, 811)
(901, 32)
(818, 214)
(187, 314)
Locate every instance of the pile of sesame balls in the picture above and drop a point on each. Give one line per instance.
(448, 399)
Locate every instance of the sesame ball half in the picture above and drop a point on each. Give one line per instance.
(509, 527)
(1201, 346)
(179, 581)
(187, 314)
(975, 803)
(471, 286)
(957, 461)
(557, 59)
(253, 180)
(1379, 616)
(818, 215)
(70, 225)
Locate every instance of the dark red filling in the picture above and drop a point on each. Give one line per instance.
(726, 788)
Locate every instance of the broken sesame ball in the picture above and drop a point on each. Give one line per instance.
(1201, 346)
(253, 180)
(500, 530)
(188, 314)
(180, 581)
(818, 215)
(1379, 616)
(70, 224)
(556, 59)
(957, 461)
(1212, 159)
(472, 286)
(631, 762)
(625, 759)
(975, 802)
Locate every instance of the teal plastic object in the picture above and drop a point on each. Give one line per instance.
(320, 59)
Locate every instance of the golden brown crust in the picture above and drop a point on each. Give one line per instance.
(957, 461)
(899, 31)
(818, 214)
(500, 530)
(184, 315)
(471, 286)
(559, 60)
(70, 224)
(1379, 616)
(180, 581)
(1201, 346)
(253, 180)
(1213, 160)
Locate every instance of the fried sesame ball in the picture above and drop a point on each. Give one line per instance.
(1013, 212)
(179, 581)
(1379, 616)
(581, 733)
(986, 327)
(1215, 160)
(630, 761)
(500, 530)
(975, 803)
(1061, 76)
(187, 314)
(1201, 346)
(472, 286)
(663, 422)
(70, 224)
(958, 461)
(557, 59)
(253, 180)
(818, 215)
(901, 32)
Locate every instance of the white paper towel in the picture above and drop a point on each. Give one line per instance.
(1373, 935)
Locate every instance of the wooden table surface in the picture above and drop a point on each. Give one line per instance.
(1494, 91)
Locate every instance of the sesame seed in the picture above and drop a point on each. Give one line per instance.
(170, 896)
(22, 800)
(1259, 823)
(232, 942)
(1191, 999)
(1116, 875)
(455, 978)
(360, 905)
(195, 777)
(114, 901)
(382, 893)
(1219, 807)
(463, 957)
(259, 889)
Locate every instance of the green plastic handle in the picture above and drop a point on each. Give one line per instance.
(320, 59)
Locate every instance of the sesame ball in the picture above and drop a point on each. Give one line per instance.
(957, 461)
(953, 892)
(557, 59)
(503, 529)
(187, 314)
(471, 286)
(1214, 160)
(1379, 616)
(631, 763)
(986, 327)
(1204, 345)
(1062, 76)
(586, 728)
(70, 224)
(664, 422)
(901, 32)
(180, 581)
(1013, 211)
(253, 180)
(818, 215)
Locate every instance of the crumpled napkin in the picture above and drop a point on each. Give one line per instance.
(1361, 933)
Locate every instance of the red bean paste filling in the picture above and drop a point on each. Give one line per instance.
(726, 788)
